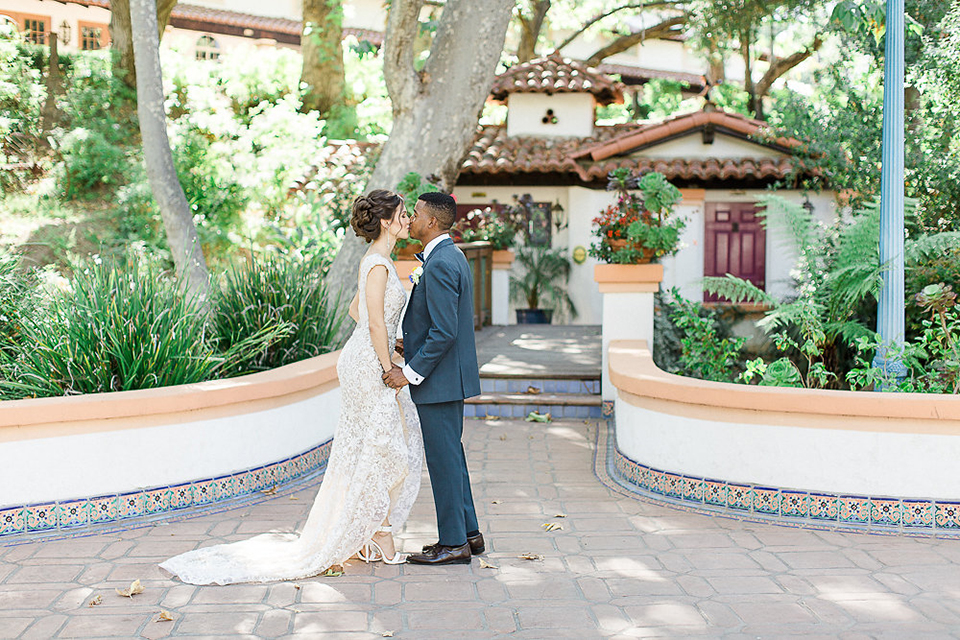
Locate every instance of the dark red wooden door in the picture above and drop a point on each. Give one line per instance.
(735, 243)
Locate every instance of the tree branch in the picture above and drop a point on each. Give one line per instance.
(780, 66)
(596, 19)
(403, 23)
(530, 30)
(625, 42)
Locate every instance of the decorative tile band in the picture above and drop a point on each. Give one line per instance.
(80, 512)
(785, 506)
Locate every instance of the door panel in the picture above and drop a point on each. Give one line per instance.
(735, 243)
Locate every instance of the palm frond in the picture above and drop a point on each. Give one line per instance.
(737, 290)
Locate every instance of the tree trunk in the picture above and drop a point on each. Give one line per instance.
(53, 87)
(748, 72)
(435, 111)
(321, 45)
(623, 43)
(177, 219)
(121, 40)
(530, 28)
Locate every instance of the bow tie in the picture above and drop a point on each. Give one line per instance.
(418, 256)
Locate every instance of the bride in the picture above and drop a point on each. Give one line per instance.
(373, 474)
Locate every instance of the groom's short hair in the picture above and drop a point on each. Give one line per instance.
(441, 206)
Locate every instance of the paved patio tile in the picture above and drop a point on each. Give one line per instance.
(619, 568)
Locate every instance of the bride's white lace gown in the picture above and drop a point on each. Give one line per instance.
(374, 470)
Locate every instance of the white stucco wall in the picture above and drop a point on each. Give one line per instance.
(133, 459)
(723, 146)
(873, 463)
(574, 113)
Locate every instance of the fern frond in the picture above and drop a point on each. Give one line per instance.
(793, 313)
(931, 246)
(849, 331)
(737, 290)
(782, 214)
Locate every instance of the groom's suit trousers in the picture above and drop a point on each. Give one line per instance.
(442, 426)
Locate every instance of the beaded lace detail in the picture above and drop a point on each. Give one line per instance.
(374, 469)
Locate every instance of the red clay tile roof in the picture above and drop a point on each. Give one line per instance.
(591, 159)
(196, 17)
(556, 74)
(677, 125)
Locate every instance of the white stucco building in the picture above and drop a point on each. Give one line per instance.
(551, 148)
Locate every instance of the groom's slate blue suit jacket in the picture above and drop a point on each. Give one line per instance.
(438, 341)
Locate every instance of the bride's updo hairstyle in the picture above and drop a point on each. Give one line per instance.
(370, 209)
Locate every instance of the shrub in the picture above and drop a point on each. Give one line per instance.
(122, 326)
(704, 352)
(90, 163)
(14, 304)
(277, 291)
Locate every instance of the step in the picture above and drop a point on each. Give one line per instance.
(502, 384)
(520, 405)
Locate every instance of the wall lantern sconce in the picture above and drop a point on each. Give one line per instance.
(559, 217)
(64, 32)
(807, 204)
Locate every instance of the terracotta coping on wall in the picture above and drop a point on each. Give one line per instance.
(616, 273)
(633, 371)
(502, 258)
(282, 381)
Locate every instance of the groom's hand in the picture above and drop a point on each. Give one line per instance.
(395, 378)
(399, 347)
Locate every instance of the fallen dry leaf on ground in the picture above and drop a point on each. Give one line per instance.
(496, 501)
(135, 588)
(486, 565)
(294, 498)
(530, 556)
(387, 634)
(489, 417)
(533, 391)
(297, 587)
(269, 492)
(552, 526)
(503, 437)
(164, 616)
(539, 417)
(559, 515)
(333, 572)
(95, 601)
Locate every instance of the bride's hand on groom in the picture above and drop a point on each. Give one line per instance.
(399, 347)
(395, 378)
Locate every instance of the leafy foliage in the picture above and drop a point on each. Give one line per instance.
(277, 291)
(705, 353)
(543, 280)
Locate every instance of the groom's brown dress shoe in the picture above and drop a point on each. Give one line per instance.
(476, 545)
(441, 554)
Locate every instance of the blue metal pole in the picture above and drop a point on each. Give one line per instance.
(890, 312)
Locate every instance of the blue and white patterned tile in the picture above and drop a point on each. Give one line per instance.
(41, 517)
(766, 500)
(693, 489)
(181, 496)
(607, 409)
(204, 492)
(739, 496)
(824, 506)
(947, 515)
(130, 505)
(13, 520)
(157, 500)
(673, 485)
(917, 513)
(854, 509)
(102, 509)
(884, 511)
(75, 513)
(715, 492)
(794, 504)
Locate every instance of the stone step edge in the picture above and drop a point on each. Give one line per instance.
(536, 375)
(556, 399)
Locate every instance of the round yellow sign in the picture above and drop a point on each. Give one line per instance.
(579, 255)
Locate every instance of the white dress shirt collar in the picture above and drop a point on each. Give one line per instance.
(433, 244)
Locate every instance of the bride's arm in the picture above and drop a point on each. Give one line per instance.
(376, 290)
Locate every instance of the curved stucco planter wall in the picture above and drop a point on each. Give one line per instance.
(853, 458)
(102, 457)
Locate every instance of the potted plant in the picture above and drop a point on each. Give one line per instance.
(488, 225)
(638, 228)
(544, 281)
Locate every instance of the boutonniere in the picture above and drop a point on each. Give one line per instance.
(415, 276)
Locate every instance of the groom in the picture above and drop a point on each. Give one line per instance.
(441, 357)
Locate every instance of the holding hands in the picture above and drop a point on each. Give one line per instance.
(395, 378)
